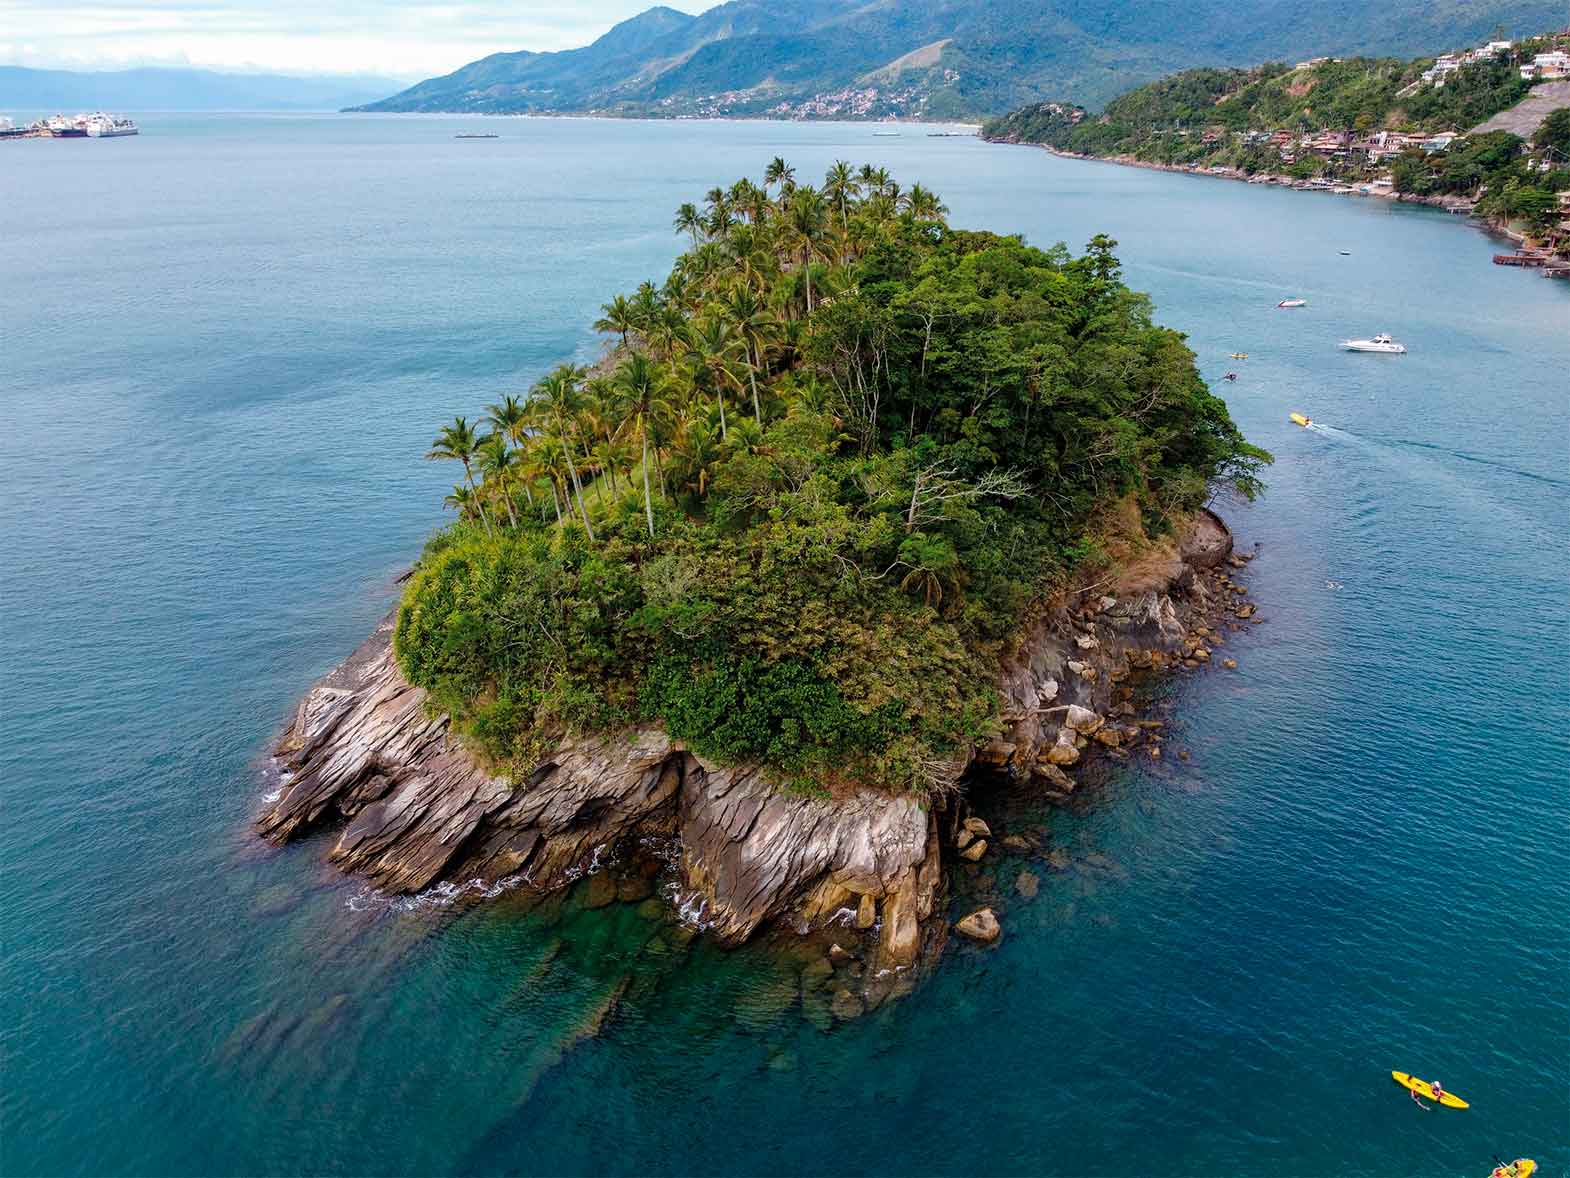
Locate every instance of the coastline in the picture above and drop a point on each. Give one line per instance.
(1450, 204)
(862, 879)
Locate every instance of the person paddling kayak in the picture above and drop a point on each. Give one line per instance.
(1438, 1093)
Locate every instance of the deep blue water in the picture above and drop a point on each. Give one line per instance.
(223, 347)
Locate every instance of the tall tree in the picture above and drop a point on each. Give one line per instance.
(559, 397)
(499, 464)
(639, 384)
(688, 220)
(753, 323)
(807, 225)
(619, 318)
(458, 442)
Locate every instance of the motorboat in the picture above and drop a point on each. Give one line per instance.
(1300, 419)
(1380, 343)
(1240, 355)
(1293, 303)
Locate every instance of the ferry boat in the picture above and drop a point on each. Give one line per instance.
(60, 127)
(99, 125)
(1380, 343)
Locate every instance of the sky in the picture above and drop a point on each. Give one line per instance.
(405, 39)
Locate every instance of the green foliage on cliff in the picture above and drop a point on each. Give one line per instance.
(1165, 121)
(801, 511)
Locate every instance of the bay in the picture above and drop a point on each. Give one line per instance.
(224, 346)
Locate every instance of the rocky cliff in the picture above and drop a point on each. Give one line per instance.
(364, 754)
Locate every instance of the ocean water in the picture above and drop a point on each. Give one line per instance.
(224, 346)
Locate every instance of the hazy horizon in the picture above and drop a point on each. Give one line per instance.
(400, 39)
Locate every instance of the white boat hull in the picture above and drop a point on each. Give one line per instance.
(1363, 346)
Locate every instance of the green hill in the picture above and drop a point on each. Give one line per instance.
(1357, 94)
(937, 58)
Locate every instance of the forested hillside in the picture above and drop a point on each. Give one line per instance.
(939, 58)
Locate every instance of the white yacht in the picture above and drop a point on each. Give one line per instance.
(1380, 343)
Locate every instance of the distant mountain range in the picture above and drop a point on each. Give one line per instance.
(181, 89)
(939, 59)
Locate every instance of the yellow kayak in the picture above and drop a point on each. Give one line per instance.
(1299, 419)
(1424, 1088)
(1520, 1168)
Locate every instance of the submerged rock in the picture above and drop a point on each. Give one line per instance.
(981, 925)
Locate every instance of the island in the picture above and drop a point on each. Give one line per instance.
(1483, 131)
(856, 502)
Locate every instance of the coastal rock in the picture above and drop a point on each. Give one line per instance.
(981, 925)
(1053, 776)
(1062, 752)
(414, 808)
(419, 809)
(1082, 719)
(1027, 884)
(847, 1006)
(866, 912)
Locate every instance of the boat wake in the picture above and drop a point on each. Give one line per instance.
(1477, 458)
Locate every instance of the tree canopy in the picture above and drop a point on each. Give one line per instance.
(825, 475)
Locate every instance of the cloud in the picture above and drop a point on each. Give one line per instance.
(402, 38)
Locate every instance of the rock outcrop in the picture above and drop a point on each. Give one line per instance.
(417, 809)
(364, 753)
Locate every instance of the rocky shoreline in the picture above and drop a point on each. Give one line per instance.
(414, 810)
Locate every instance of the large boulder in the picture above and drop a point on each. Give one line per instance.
(981, 925)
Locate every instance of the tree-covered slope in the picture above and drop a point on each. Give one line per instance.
(827, 473)
(1351, 94)
(746, 56)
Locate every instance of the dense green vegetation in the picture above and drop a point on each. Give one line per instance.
(1218, 117)
(823, 477)
(1164, 120)
(749, 56)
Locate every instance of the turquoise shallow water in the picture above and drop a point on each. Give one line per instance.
(223, 347)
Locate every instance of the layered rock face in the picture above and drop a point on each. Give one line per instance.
(415, 809)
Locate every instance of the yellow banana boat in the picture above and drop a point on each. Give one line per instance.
(1299, 419)
(1424, 1088)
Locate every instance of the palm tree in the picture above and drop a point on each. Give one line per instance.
(781, 173)
(923, 204)
(458, 442)
(499, 464)
(559, 397)
(720, 212)
(511, 420)
(755, 326)
(645, 307)
(841, 187)
(688, 220)
(619, 318)
(638, 381)
(697, 452)
(805, 222)
(463, 499)
(711, 349)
